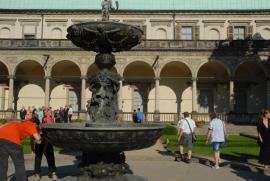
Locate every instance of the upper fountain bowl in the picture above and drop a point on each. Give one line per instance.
(104, 36)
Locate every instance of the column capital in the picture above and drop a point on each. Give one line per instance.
(47, 77)
(156, 78)
(194, 78)
(11, 76)
(84, 77)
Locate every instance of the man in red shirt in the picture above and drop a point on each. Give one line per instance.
(11, 135)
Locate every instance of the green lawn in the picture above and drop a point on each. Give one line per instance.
(27, 147)
(238, 148)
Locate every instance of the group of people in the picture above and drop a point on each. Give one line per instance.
(11, 135)
(137, 116)
(47, 115)
(217, 135)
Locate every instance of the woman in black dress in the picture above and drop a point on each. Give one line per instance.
(264, 137)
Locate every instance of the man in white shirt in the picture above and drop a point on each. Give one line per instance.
(186, 128)
(217, 132)
(70, 113)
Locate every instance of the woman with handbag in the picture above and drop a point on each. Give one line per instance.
(264, 138)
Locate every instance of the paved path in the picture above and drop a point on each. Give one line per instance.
(157, 165)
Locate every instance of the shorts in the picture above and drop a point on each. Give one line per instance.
(216, 146)
(186, 139)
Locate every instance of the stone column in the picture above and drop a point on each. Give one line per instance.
(268, 93)
(194, 94)
(47, 91)
(11, 92)
(120, 96)
(157, 98)
(84, 78)
(2, 105)
(157, 95)
(231, 95)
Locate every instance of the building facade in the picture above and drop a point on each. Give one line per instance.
(194, 57)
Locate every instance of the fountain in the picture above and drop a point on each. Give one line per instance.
(103, 139)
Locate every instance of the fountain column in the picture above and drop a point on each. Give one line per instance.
(11, 92)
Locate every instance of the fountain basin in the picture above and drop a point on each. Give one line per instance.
(103, 137)
(104, 36)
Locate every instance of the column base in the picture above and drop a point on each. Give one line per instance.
(157, 115)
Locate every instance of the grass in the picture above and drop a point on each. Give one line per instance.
(238, 148)
(27, 147)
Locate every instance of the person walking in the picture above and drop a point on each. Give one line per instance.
(217, 132)
(11, 135)
(264, 138)
(186, 128)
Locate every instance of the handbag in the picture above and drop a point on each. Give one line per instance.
(194, 137)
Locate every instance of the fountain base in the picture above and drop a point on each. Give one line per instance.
(107, 166)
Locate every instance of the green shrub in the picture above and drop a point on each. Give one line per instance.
(170, 130)
(2, 121)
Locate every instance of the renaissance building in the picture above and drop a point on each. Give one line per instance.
(196, 55)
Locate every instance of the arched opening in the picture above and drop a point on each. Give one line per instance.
(29, 84)
(66, 85)
(213, 78)
(175, 88)
(266, 33)
(138, 77)
(250, 88)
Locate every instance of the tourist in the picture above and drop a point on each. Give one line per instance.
(217, 132)
(11, 135)
(186, 129)
(40, 115)
(66, 114)
(56, 114)
(22, 113)
(47, 149)
(70, 113)
(139, 116)
(28, 113)
(134, 116)
(264, 138)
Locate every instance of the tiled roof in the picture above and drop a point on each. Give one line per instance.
(198, 5)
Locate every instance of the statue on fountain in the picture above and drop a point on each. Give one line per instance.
(106, 8)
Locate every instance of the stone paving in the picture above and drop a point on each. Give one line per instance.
(157, 164)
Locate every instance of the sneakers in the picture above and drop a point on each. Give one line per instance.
(215, 166)
(54, 176)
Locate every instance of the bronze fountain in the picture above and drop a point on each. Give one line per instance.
(103, 139)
